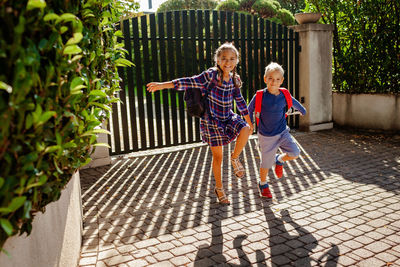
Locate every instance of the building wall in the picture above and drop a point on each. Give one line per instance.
(367, 111)
(56, 235)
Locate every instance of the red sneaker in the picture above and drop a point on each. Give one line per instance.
(264, 190)
(278, 168)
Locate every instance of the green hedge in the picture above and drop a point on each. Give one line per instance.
(58, 78)
(366, 44)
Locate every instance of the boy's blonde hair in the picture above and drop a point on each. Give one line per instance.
(273, 66)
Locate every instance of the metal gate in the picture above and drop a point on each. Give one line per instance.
(165, 46)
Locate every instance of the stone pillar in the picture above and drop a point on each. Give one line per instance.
(315, 75)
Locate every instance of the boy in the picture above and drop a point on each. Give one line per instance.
(273, 133)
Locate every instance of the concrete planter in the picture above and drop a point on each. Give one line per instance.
(367, 111)
(56, 235)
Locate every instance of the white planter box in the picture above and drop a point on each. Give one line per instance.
(368, 111)
(56, 235)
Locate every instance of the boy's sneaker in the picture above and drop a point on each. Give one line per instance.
(278, 167)
(264, 190)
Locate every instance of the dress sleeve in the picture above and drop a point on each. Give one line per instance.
(200, 81)
(241, 104)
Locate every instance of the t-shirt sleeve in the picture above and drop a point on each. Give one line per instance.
(298, 106)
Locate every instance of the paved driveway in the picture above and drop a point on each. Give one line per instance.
(337, 205)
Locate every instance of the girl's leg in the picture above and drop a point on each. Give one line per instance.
(241, 141)
(216, 167)
(216, 164)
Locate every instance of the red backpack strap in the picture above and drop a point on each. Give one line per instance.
(288, 98)
(259, 96)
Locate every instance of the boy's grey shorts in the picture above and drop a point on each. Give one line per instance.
(269, 146)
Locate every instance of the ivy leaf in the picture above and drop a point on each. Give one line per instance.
(76, 38)
(32, 4)
(7, 226)
(72, 49)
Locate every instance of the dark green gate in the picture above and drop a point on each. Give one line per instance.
(165, 46)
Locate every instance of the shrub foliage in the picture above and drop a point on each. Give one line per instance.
(58, 78)
(366, 44)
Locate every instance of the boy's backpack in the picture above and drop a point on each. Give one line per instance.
(259, 96)
(196, 103)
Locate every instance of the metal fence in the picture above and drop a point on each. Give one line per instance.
(165, 46)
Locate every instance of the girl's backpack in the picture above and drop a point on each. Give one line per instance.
(196, 103)
(259, 96)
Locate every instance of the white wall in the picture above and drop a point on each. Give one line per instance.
(56, 235)
(368, 111)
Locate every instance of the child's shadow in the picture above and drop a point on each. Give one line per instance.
(284, 244)
(211, 255)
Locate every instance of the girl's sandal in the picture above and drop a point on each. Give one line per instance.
(237, 168)
(222, 199)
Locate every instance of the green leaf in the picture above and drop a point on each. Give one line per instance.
(35, 4)
(51, 16)
(7, 226)
(102, 144)
(46, 116)
(98, 93)
(50, 149)
(28, 121)
(76, 38)
(100, 105)
(101, 131)
(16, 203)
(6, 87)
(76, 57)
(1, 181)
(42, 180)
(122, 62)
(66, 17)
(63, 29)
(72, 49)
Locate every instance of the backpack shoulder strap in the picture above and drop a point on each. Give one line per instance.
(259, 96)
(288, 98)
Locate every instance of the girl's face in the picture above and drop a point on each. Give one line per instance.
(227, 60)
(274, 80)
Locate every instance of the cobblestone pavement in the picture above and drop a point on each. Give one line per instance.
(338, 204)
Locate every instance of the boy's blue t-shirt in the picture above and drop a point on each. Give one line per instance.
(272, 116)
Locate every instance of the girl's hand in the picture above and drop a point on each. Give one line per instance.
(251, 127)
(154, 86)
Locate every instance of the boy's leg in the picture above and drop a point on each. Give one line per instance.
(263, 184)
(290, 152)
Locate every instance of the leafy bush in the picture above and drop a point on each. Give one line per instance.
(58, 77)
(265, 8)
(366, 44)
(229, 5)
(286, 17)
(171, 5)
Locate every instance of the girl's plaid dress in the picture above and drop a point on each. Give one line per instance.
(222, 125)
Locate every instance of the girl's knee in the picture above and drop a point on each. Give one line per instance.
(217, 158)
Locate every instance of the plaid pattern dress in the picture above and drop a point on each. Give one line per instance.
(223, 125)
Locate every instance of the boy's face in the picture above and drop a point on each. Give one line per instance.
(274, 80)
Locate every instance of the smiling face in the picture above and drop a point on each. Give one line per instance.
(227, 60)
(274, 80)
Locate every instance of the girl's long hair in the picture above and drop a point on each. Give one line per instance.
(236, 78)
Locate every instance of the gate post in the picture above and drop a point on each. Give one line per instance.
(315, 75)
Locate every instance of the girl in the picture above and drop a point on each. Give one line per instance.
(220, 125)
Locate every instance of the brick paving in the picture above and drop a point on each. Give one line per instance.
(337, 205)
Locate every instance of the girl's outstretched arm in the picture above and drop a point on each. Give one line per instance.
(155, 86)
